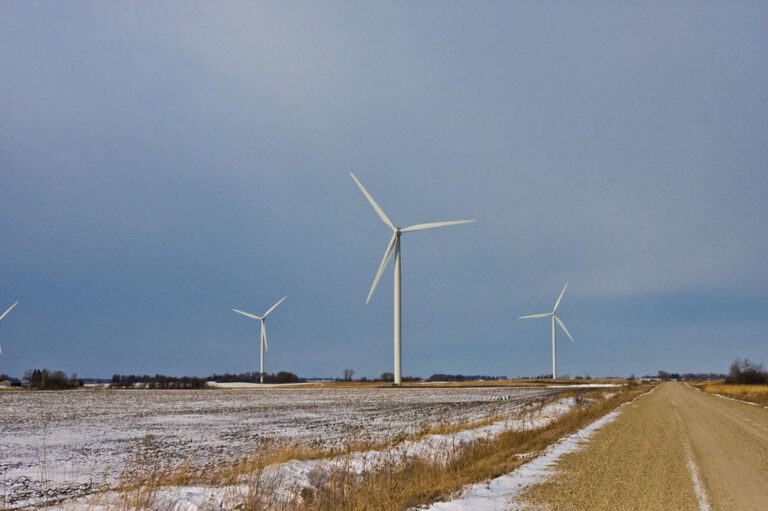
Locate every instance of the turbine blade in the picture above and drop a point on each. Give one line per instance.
(557, 303)
(562, 325)
(264, 335)
(383, 265)
(253, 316)
(434, 225)
(373, 203)
(545, 315)
(9, 310)
(273, 307)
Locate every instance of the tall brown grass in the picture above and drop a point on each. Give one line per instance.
(757, 394)
(406, 483)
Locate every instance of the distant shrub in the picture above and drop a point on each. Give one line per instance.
(43, 379)
(282, 377)
(746, 372)
(158, 381)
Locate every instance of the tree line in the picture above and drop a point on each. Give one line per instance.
(43, 379)
(746, 372)
(463, 377)
(161, 381)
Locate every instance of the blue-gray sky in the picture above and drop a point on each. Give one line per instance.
(161, 163)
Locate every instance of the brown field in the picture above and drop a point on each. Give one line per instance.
(467, 384)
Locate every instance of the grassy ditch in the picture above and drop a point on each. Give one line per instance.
(413, 482)
(757, 394)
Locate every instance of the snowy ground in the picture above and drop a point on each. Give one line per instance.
(287, 480)
(68, 444)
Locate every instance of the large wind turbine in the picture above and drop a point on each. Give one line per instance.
(394, 247)
(557, 320)
(263, 338)
(4, 315)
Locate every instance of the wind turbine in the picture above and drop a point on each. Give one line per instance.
(4, 315)
(394, 247)
(263, 338)
(557, 320)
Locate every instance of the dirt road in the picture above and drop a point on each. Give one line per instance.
(675, 448)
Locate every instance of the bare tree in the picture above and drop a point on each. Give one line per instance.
(348, 373)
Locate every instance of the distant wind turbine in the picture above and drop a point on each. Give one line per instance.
(263, 338)
(394, 247)
(557, 320)
(4, 315)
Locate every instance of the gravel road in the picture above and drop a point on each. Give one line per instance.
(675, 448)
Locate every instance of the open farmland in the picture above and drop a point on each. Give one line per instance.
(67, 444)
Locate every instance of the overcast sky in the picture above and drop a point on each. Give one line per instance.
(162, 163)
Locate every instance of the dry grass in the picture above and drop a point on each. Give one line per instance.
(146, 473)
(272, 453)
(753, 393)
(411, 482)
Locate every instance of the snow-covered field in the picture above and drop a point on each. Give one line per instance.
(68, 444)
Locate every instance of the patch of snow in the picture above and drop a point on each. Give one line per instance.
(249, 385)
(698, 487)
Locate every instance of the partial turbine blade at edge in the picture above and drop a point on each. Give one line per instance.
(557, 303)
(545, 315)
(374, 204)
(273, 307)
(562, 325)
(382, 266)
(252, 316)
(9, 310)
(434, 225)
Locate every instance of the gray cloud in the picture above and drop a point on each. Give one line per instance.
(163, 164)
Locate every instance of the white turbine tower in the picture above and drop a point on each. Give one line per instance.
(557, 320)
(263, 338)
(394, 246)
(4, 315)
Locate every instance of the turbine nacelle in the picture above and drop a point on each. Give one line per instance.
(393, 247)
(553, 314)
(263, 320)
